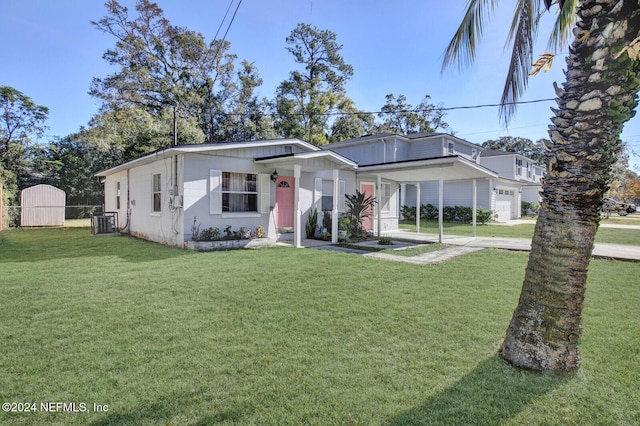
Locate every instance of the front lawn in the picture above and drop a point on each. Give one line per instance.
(157, 335)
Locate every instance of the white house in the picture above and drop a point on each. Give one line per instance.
(273, 184)
(276, 184)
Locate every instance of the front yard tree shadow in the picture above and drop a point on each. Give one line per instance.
(487, 395)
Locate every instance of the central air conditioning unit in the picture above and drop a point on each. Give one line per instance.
(104, 223)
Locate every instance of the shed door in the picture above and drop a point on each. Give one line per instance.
(284, 201)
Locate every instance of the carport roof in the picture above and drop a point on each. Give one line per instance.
(451, 167)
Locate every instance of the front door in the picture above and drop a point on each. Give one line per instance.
(367, 189)
(284, 202)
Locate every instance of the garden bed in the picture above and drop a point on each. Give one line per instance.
(254, 243)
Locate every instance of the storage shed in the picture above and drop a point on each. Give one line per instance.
(42, 205)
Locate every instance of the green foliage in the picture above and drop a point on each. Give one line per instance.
(530, 208)
(385, 241)
(408, 212)
(398, 116)
(453, 213)
(359, 206)
(304, 101)
(20, 120)
(523, 146)
(312, 224)
(164, 69)
(326, 221)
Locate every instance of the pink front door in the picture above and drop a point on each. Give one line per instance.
(368, 190)
(284, 202)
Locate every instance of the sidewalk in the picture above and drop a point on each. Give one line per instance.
(609, 251)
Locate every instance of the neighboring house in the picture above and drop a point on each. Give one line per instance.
(516, 167)
(276, 184)
(498, 185)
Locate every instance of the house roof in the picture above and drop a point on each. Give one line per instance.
(209, 147)
(496, 153)
(309, 160)
(407, 137)
(451, 167)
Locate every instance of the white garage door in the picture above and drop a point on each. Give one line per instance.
(504, 204)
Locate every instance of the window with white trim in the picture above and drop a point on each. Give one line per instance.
(239, 192)
(327, 195)
(157, 193)
(518, 167)
(118, 195)
(385, 197)
(529, 170)
(451, 147)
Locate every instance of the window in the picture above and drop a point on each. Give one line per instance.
(529, 170)
(451, 147)
(327, 195)
(117, 195)
(518, 167)
(157, 193)
(474, 153)
(385, 197)
(239, 192)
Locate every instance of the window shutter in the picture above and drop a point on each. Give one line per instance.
(317, 194)
(215, 191)
(341, 196)
(264, 186)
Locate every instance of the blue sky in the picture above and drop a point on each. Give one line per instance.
(51, 52)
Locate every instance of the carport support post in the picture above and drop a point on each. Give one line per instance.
(297, 218)
(475, 209)
(378, 207)
(440, 207)
(334, 212)
(418, 207)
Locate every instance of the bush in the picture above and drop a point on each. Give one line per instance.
(408, 212)
(428, 212)
(530, 208)
(385, 241)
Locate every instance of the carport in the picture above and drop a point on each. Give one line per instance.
(440, 169)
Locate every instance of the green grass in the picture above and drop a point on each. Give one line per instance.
(416, 250)
(604, 235)
(292, 336)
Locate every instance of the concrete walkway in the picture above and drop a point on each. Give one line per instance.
(610, 251)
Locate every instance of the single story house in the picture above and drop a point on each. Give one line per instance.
(275, 184)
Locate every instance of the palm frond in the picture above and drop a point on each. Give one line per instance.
(462, 47)
(561, 33)
(523, 32)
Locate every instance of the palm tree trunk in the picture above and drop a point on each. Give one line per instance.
(599, 95)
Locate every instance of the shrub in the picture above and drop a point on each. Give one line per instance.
(385, 241)
(530, 208)
(408, 212)
(428, 212)
(312, 224)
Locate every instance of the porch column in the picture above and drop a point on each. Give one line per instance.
(418, 207)
(334, 212)
(475, 209)
(378, 207)
(440, 207)
(403, 195)
(297, 218)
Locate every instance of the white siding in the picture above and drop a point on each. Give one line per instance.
(42, 205)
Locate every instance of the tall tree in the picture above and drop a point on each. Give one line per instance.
(399, 116)
(171, 71)
(304, 103)
(523, 146)
(597, 98)
(20, 120)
